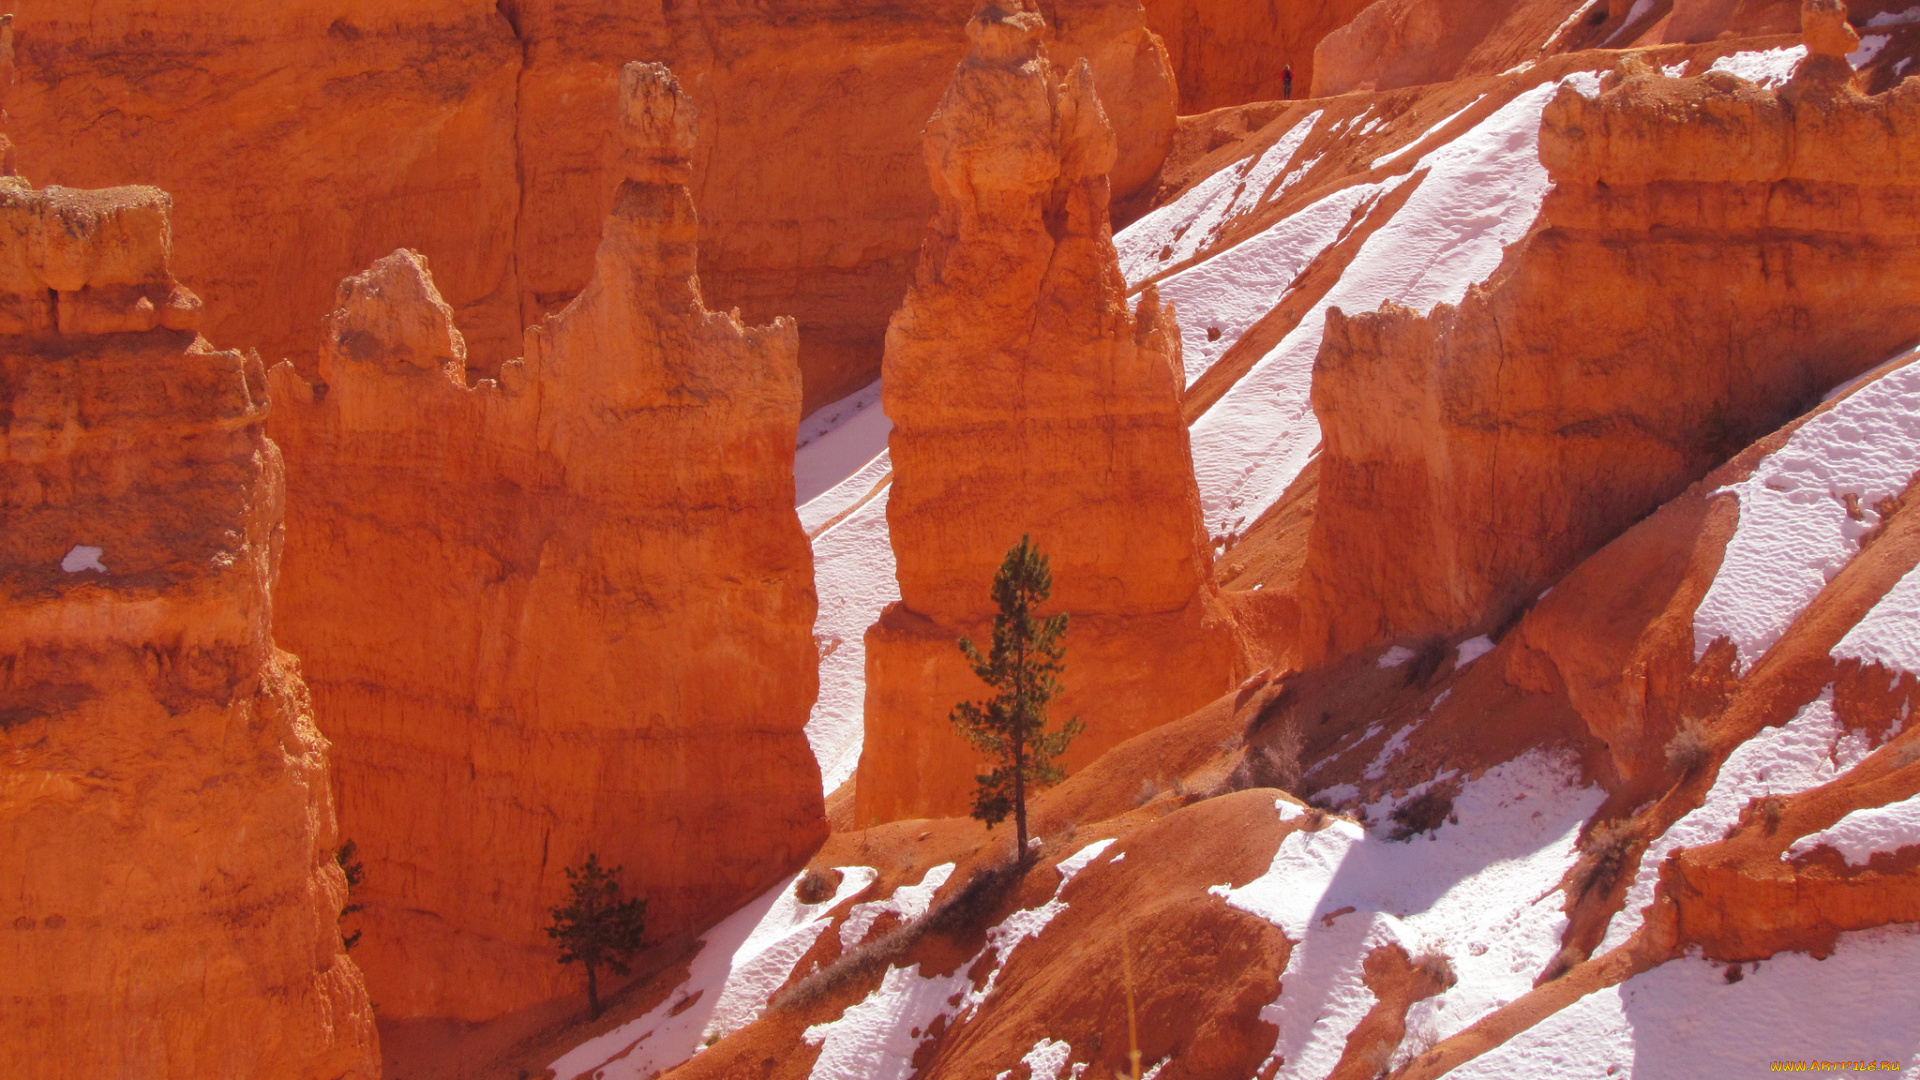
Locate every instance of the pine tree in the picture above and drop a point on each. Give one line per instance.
(1023, 665)
(355, 873)
(597, 927)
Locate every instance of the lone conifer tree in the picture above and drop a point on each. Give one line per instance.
(597, 927)
(1024, 666)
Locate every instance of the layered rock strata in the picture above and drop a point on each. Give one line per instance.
(1029, 399)
(564, 612)
(322, 135)
(166, 823)
(1712, 257)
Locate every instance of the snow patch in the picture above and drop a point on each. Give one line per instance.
(83, 557)
(876, 1038)
(1804, 510)
(853, 575)
(1483, 892)
(1395, 657)
(1894, 18)
(1472, 649)
(1767, 67)
(1870, 47)
(1634, 15)
(837, 441)
(1784, 760)
(1046, 1061)
(1478, 194)
(741, 963)
(1683, 1019)
(1862, 833)
(1416, 140)
(1179, 230)
(1889, 634)
(909, 902)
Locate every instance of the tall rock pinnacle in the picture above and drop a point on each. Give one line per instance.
(565, 609)
(166, 820)
(1028, 397)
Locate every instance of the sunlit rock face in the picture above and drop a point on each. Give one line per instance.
(567, 611)
(166, 823)
(1029, 397)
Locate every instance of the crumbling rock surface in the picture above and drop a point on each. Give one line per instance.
(1763, 241)
(560, 613)
(305, 139)
(166, 823)
(1029, 399)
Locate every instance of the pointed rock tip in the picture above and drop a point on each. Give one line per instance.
(658, 123)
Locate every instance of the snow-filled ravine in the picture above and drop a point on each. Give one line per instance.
(1482, 891)
(740, 964)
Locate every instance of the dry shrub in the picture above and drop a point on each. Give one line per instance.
(1607, 855)
(1690, 749)
(1421, 814)
(1272, 764)
(816, 885)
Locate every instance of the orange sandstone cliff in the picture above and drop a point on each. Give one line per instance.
(1712, 257)
(1027, 398)
(563, 612)
(166, 826)
(322, 135)
(1229, 53)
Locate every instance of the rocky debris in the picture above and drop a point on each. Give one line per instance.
(1029, 398)
(166, 818)
(561, 612)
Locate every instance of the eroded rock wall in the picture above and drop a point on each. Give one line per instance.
(324, 135)
(166, 823)
(564, 611)
(1713, 256)
(1029, 398)
(1226, 53)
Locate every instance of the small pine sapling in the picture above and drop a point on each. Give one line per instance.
(356, 873)
(597, 927)
(1023, 665)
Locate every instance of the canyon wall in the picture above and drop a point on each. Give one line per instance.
(1712, 257)
(324, 135)
(1226, 53)
(166, 823)
(560, 612)
(1028, 399)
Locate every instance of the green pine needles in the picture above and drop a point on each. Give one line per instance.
(1024, 667)
(597, 927)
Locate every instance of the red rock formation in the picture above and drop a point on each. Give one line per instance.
(166, 825)
(1763, 243)
(566, 612)
(1396, 43)
(323, 135)
(1027, 399)
(1232, 53)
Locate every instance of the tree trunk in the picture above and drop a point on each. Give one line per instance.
(593, 993)
(1020, 798)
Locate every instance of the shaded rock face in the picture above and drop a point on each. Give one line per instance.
(567, 611)
(1231, 53)
(1028, 398)
(478, 134)
(1763, 243)
(166, 823)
